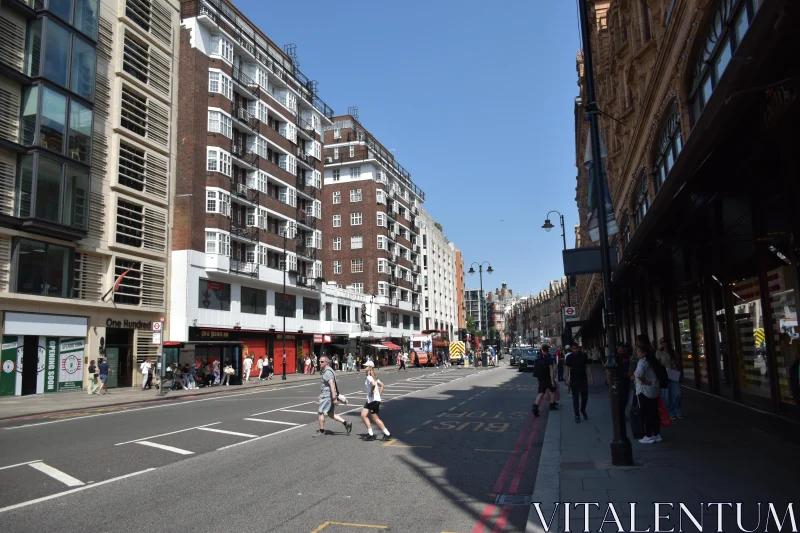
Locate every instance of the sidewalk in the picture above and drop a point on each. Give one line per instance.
(705, 457)
(20, 406)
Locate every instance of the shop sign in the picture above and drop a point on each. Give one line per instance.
(51, 366)
(321, 339)
(70, 370)
(128, 324)
(200, 335)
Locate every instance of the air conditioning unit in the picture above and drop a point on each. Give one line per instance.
(329, 160)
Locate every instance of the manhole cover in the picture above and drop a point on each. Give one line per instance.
(513, 499)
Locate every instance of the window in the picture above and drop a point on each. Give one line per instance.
(336, 174)
(356, 242)
(406, 321)
(218, 201)
(336, 153)
(130, 223)
(355, 195)
(337, 197)
(133, 114)
(669, 147)
(383, 266)
(381, 220)
(219, 122)
(356, 266)
(64, 124)
(642, 200)
(352, 151)
(254, 301)
(311, 308)
(214, 295)
(337, 243)
(219, 82)
(285, 305)
(380, 196)
(50, 190)
(222, 48)
(343, 314)
(337, 221)
(43, 269)
(726, 29)
(337, 267)
(382, 242)
(646, 31)
(355, 219)
(218, 161)
(135, 58)
(358, 287)
(130, 288)
(382, 317)
(355, 172)
(337, 133)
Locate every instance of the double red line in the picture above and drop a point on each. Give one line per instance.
(522, 449)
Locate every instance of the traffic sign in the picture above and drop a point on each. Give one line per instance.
(570, 313)
(156, 337)
(157, 327)
(563, 305)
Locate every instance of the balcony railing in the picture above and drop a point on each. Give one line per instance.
(304, 218)
(305, 157)
(304, 250)
(240, 190)
(239, 151)
(244, 268)
(306, 188)
(245, 81)
(396, 303)
(245, 117)
(305, 125)
(244, 232)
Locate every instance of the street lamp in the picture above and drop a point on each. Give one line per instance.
(289, 228)
(480, 296)
(547, 226)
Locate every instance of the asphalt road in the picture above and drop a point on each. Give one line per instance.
(464, 444)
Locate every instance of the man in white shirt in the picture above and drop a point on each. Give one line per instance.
(247, 365)
(146, 366)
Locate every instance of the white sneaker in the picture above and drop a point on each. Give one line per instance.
(646, 440)
(657, 438)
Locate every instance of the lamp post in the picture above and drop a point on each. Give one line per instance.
(621, 453)
(289, 227)
(480, 295)
(547, 226)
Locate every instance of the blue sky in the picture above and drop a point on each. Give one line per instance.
(476, 98)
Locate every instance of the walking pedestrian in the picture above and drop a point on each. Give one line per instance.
(329, 398)
(373, 406)
(403, 360)
(358, 363)
(92, 384)
(247, 364)
(270, 369)
(647, 391)
(260, 368)
(560, 355)
(543, 370)
(671, 390)
(578, 376)
(227, 372)
(145, 367)
(103, 369)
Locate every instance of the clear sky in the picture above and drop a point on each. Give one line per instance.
(475, 96)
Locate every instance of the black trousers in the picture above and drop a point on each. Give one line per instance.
(561, 370)
(579, 388)
(652, 423)
(402, 366)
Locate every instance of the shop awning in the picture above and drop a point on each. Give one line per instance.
(391, 346)
(379, 346)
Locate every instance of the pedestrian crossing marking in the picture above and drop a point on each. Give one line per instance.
(172, 449)
(296, 411)
(347, 524)
(57, 474)
(272, 421)
(226, 432)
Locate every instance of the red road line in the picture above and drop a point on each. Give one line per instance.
(523, 460)
(500, 525)
(501, 481)
(483, 521)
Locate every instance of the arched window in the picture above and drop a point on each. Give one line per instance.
(642, 199)
(726, 28)
(669, 147)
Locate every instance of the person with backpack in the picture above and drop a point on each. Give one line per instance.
(543, 370)
(647, 392)
(329, 398)
(578, 375)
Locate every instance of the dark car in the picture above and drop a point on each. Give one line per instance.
(529, 357)
(515, 356)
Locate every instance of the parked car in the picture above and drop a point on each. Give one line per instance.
(516, 354)
(528, 359)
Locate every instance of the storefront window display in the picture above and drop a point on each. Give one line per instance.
(751, 345)
(783, 303)
(685, 332)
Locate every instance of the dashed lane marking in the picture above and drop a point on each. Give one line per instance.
(226, 432)
(170, 433)
(172, 449)
(57, 474)
(261, 437)
(295, 411)
(347, 524)
(272, 421)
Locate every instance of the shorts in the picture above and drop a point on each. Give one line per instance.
(546, 385)
(326, 406)
(103, 377)
(373, 407)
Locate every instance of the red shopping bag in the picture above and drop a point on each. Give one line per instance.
(663, 414)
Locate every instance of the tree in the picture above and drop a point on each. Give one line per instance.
(438, 226)
(471, 325)
(493, 333)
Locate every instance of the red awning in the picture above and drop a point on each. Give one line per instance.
(391, 346)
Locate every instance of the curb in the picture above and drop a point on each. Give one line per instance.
(165, 398)
(547, 487)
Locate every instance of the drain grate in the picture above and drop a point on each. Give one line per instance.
(513, 499)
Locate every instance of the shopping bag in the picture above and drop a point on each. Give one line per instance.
(637, 422)
(673, 375)
(663, 414)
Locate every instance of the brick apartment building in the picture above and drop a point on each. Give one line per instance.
(371, 224)
(248, 185)
(87, 144)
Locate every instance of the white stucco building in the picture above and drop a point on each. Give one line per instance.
(439, 307)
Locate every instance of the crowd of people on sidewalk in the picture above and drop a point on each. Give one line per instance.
(649, 385)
